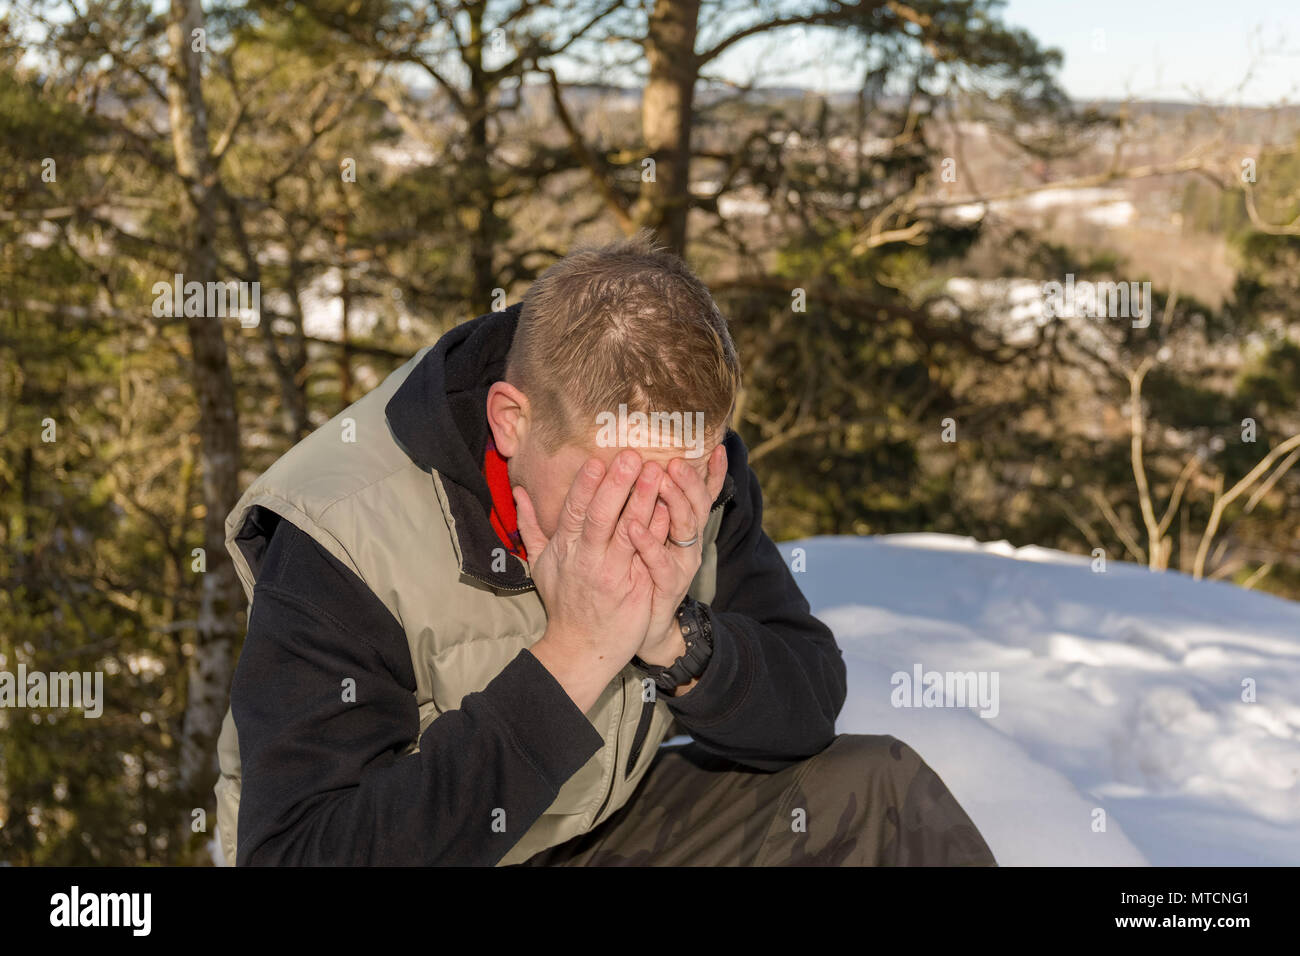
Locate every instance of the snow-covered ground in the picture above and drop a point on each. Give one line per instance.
(1122, 692)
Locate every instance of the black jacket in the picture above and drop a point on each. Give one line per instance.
(324, 786)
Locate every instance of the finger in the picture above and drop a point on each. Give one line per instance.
(660, 523)
(637, 566)
(654, 553)
(639, 508)
(688, 479)
(526, 519)
(607, 503)
(683, 522)
(574, 513)
(643, 584)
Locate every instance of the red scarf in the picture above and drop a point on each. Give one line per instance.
(505, 522)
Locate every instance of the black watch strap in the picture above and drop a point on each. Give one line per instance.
(697, 632)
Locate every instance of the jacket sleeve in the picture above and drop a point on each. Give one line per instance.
(776, 681)
(325, 777)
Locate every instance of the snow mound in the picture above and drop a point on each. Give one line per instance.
(1166, 708)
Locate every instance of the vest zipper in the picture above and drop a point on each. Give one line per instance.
(642, 731)
(648, 707)
(496, 585)
(613, 777)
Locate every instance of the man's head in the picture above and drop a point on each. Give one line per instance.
(618, 346)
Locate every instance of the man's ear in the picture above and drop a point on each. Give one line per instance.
(508, 417)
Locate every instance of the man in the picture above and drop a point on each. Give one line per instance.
(478, 608)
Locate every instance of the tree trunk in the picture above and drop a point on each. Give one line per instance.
(211, 664)
(666, 119)
(485, 227)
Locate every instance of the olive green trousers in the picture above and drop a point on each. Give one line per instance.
(863, 801)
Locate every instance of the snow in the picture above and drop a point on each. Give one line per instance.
(1120, 691)
(1104, 206)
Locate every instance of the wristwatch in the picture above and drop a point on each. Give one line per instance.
(697, 632)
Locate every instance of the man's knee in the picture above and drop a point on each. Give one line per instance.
(857, 756)
(919, 819)
(881, 765)
(861, 770)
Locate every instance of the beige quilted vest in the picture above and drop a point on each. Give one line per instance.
(388, 521)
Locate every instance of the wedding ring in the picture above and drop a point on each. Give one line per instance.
(684, 544)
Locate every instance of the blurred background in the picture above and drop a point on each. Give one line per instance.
(881, 196)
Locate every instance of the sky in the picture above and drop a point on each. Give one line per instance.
(1171, 49)
(1243, 53)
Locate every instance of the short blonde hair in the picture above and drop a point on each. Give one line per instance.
(626, 323)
